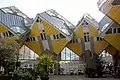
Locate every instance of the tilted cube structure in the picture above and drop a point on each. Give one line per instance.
(50, 32)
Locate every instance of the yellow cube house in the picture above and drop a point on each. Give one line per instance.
(86, 37)
(110, 8)
(50, 32)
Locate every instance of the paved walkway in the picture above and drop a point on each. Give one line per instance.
(69, 77)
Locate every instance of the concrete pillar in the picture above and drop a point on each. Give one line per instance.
(89, 60)
(116, 61)
(57, 66)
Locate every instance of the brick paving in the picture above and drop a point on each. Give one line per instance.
(69, 77)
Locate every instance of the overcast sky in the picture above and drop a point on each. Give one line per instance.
(72, 10)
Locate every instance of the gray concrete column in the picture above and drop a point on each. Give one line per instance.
(89, 60)
(57, 66)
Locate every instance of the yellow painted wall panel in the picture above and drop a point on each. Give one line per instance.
(111, 50)
(34, 30)
(99, 46)
(114, 40)
(21, 49)
(115, 14)
(3, 28)
(49, 29)
(93, 31)
(58, 45)
(35, 46)
(113, 10)
(79, 32)
(75, 47)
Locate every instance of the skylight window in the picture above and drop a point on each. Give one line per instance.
(58, 21)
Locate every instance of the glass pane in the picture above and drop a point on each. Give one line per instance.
(26, 53)
(58, 21)
(67, 54)
(63, 55)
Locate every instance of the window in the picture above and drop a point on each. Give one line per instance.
(0, 36)
(86, 37)
(40, 20)
(37, 19)
(97, 38)
(76, 41)
(109, 31)
(54, 36)
(4, 35)
(114, 30)
(25, 65)
(62, 36)
(44, 36)
(57, 36)
(30, 65)
(73, 41)
(118, 30)
(10, 34)
(100, 39)
(30, 39)
(27, 39)
(91, 54)
(43, 30)
(33, 38)
(86, 23)
(7, 34)
(41, 36)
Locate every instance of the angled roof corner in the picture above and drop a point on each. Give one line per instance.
(88, 18)
(14, 10)
(58, 21)
(104, 25)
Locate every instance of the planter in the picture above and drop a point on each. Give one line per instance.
(4, 77)
(44, 78)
